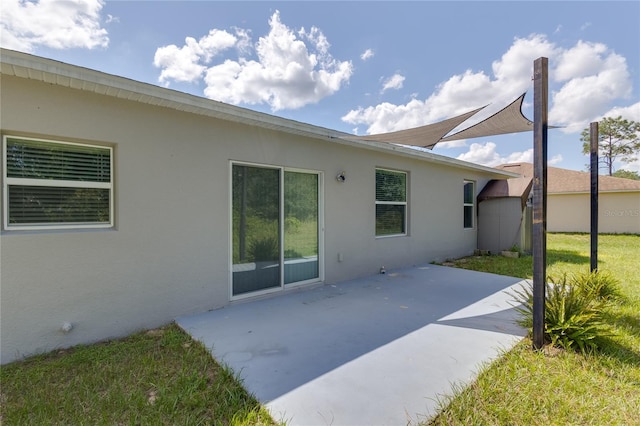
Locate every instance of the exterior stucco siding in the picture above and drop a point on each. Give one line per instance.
(168, 254)
(618, 212)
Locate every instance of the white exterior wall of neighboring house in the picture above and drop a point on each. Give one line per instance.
(169, 251)
(618, 212)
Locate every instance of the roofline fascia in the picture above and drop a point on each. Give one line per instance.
(606, 191)
(25, 65)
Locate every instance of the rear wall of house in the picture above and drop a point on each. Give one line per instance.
(168, 254)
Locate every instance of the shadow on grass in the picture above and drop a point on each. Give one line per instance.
(630, 323)
(566, 256)
(621, 353)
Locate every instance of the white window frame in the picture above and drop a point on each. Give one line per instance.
(472, 204)
(394, 203)
(7, 181)
(321, 229)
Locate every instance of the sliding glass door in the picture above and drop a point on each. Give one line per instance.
(275, 228)
(256, 228)
(300, 227)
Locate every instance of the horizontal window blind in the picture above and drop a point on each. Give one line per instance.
(46, 160)
(56, 184)
(47, 204)
(391, 185)
(390, 219)
(391, 202)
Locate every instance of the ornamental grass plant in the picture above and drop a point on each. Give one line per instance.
(555, 386)
(574, 309)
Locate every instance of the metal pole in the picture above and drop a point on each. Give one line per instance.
(594, 139)
(539, 240)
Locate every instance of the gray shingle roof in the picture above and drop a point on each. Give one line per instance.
(561, 181)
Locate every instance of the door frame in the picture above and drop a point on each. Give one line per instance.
(321, 229)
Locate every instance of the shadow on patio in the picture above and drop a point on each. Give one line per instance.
(374, 350)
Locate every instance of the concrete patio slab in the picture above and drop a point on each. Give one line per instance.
(379, 350)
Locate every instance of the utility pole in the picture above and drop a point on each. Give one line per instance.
(594, 138)
(539, 240)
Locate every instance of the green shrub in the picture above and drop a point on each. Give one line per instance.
(267, 248)
(292, 225)
(603, 284)
(573, 311)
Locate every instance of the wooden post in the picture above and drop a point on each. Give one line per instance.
(594, 139)
(539, 237)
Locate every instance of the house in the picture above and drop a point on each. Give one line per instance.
(569, 200)
(126, 205)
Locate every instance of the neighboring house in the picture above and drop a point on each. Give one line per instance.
(569, 200)
(126, 204)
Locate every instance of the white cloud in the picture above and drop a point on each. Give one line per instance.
(367, 54)
(585, 79)
(632, 112)
(582, 60)
(595, 77)
(556, 159)
(452, 144)
(394, 82)
(462, 92)
(112, 19)
(485, 154)
(25, 25)
(292, 69)
(186, 63)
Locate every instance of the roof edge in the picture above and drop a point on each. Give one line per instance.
(25, 65)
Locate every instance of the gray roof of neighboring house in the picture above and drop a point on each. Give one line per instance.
(561, 181)
(41, 69)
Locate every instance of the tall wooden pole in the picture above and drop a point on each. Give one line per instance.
(539, 240)
(594, 139)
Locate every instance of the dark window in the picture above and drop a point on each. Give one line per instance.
(391, 202)
(469, 204)
(57, 184)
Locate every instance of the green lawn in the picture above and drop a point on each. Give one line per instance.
(163, 377)
(559, 387)
(158, 377)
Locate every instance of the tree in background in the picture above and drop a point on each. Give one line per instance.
(619, 138)
(627, 174)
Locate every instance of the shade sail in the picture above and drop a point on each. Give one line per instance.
(508, 120)
(424, 136)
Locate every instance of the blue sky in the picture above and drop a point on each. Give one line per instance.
(361, 67)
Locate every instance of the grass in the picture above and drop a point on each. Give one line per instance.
(556, 386)
(158, 377)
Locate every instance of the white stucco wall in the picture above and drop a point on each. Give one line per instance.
(618, 212)
(168, 254)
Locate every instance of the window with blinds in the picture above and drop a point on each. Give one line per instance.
(52, 185)
(469, 204)
(391, 202)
